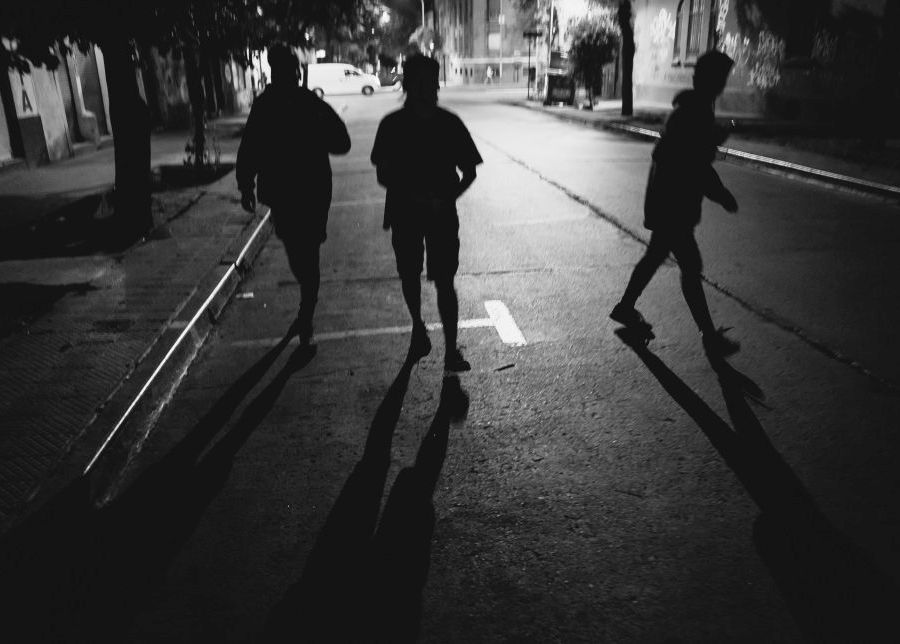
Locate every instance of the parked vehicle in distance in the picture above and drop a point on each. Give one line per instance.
(340, 78)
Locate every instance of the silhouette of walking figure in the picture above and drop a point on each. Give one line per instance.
(289, 134)
(680, 176)
(417, 152)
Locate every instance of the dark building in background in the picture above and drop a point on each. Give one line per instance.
(804, 59)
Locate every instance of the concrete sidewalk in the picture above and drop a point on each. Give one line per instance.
(93, 329)
(755, 142)
(29, 194)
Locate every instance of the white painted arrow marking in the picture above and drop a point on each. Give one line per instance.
(504, 323)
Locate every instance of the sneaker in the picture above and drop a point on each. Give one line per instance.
(716, 344)
(454, 362)
(628, 315)
(419, 344)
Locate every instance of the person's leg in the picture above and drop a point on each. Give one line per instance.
(412, 295)
(687, 253)
(442, 249)
(656, 253)
(309, 289)
(448, 308)
(303, 258)
(409, 250)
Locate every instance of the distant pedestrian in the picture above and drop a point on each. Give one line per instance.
(681, 175)
(289, 134)
(489, 75)
(419, 152)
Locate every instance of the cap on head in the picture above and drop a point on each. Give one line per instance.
(711, 70)
(420, 72)
(283, 62)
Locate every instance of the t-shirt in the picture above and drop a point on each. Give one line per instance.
(419, 157)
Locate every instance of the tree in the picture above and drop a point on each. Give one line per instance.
(211, 29)
(595, 41)
(623, 16)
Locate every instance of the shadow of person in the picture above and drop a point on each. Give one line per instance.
(324, 603)
(360, 584)
(78, 573)
(401, 548)
(834, 590)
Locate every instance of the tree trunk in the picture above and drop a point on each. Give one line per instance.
(130, 118)
(624, 16)
(198, 104)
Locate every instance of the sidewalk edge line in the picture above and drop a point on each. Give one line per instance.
(733, 155)
(233, 268)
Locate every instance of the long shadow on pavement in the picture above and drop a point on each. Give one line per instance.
(361, 583)
(73, 572)
(834, 590)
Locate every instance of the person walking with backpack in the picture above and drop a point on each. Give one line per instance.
(680, 177)
(283, 160)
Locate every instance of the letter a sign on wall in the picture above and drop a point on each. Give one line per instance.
(23, 94)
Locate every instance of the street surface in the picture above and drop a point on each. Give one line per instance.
(594, 492)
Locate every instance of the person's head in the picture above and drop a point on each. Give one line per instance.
(284, 64)
(711, 73)
(420, 80)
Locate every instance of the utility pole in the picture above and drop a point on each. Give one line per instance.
(501, 20)
(532, 37)
(549, 47)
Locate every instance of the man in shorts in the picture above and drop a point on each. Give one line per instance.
(419, 153)
(289, 134)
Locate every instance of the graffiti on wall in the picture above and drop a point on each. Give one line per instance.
(758, 58)
(653, 58)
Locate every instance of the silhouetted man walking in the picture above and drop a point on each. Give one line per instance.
(288, 137)
(681, 175)
(418, 153)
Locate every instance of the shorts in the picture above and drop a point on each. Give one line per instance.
(434, 241)
(303, 222)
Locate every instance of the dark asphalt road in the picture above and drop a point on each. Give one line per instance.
(594, 492)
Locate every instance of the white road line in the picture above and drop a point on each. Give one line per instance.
(504, 323)
(500, 318)
(357, 202)
(363, 333)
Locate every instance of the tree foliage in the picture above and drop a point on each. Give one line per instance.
(594, 43)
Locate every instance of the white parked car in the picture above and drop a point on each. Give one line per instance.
(340, 78)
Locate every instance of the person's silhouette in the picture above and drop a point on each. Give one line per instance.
(285, 147)
(418, 153)
(681, 175)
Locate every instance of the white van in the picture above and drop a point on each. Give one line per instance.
(340, 78)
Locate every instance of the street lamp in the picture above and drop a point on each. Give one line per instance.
(423, 15)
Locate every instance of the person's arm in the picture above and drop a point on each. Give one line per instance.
(247, 163)
(467, 159)
(715, 190)
(379, 156)
(336, 136)
(468, 176)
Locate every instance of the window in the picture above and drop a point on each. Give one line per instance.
(693, 28)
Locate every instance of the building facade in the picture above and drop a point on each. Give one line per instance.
(45, 115)
(803, 59)
(476, 35)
